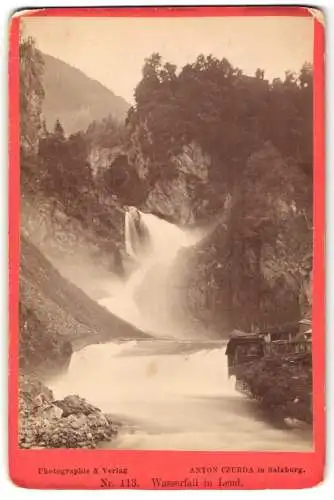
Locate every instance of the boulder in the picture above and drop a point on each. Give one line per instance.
(72, 405)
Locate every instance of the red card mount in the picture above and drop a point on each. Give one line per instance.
(181, 366)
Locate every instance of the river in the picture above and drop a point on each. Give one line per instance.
(172, 395)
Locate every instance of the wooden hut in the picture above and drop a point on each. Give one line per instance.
(286, 331)
(242, 348)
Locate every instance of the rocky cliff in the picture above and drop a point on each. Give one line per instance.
(183, 193)
(254, 267)
(72, 245)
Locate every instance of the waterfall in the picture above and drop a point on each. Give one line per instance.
(153, 244)
(137, 237)
(169, 393)
(128, 232)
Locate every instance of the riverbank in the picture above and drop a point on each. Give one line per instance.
(282, 386)
(72, 422)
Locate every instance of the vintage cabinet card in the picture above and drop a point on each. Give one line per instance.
(167, 248)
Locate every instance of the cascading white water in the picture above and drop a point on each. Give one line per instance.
(173, 395)
(154, 244)
(168, 393)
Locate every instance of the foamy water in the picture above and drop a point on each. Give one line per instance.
(172, 395)
(148, 284)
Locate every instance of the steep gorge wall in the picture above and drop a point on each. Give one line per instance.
(255, 269)
(71, 245)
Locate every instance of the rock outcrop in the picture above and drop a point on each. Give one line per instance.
(255, 267)
(182, 195)
(69, 423)
(72, 244)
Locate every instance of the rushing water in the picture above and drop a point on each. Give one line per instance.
(170, 392)
(144, 300)
(174, 395)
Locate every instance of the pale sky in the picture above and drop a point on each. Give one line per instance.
(112, 50)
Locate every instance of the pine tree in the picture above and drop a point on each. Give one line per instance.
(44, 129)
(58, 129)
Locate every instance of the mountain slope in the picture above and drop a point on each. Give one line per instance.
(62, 309)
(76, 99)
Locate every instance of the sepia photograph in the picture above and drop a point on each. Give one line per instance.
(166, 233)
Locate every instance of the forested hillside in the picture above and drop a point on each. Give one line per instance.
(226, 114)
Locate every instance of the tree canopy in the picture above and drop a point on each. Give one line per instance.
(228, 113)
